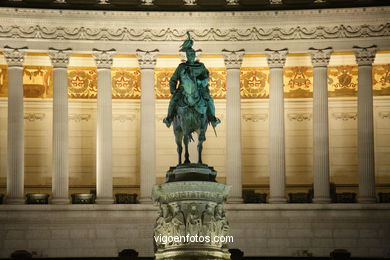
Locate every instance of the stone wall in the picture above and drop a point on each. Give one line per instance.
(258, 229)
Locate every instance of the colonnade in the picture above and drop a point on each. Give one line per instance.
(147, 61)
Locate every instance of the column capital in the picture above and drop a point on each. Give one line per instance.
(60, 57)
(233, 59)
(147, 59)
(14, 56)
(320, 57)
(276, 58)
(103, 58)
(365, 55)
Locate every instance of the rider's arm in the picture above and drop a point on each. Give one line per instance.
(174, 79)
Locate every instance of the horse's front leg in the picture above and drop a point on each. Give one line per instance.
(179, 139)
(186, 153)
(200, 149)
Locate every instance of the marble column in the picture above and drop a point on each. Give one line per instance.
(233, 61)
(104, 59)
(147, 62)
(15, 177)
(366, 163)
(277, 162)
(60, 177)
(320, 60)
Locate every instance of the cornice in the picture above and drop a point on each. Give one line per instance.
(48, 32)
(116, 26)
(83, 14)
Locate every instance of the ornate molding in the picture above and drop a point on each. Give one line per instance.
(233, 59)
(60, 57)
(276, 58)
(123, 117)
(320, 57)
(147, 2)
(103, 58)
(254, 33)
(275, 2)
(365, 55)
(147, 59)
(190, 2)
(345, 116)
(384, 114)
(232, 2)
(255, 117)
(31, 117)
(79, 117)
(299, 117)
(14, 56)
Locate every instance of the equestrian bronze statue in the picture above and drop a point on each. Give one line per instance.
(191, 107)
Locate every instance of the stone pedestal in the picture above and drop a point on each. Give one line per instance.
(191, 218)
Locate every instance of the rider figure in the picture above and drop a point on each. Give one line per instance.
(200, 75)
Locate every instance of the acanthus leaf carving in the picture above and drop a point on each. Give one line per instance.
(320, 57)
(365, 55)
(60, 57)
(276, 58)
(147, 59)
(103, 58)
(233, 59)
(14, 56)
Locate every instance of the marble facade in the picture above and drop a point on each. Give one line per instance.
(274, 105)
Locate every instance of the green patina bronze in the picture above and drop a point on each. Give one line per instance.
(191, 108)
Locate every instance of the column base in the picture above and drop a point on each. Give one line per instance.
(60, 201)
(277, 200)
(367, 199)
(104, 200)
(235, 200)
(145, 200)
(322, 200)
(15, 200)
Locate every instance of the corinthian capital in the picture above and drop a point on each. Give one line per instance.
(276, 58)
(60, 57)
(233, 59)
(320, 57)
(365, 55)
(147, 59)
(14, 56)
(103, 58)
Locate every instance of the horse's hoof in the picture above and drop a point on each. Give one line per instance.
(187, 161)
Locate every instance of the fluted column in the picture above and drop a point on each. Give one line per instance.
(233, 61)
(366, 163)
(60, 177)
(15, 177)
(147, 62)
(320, 60)
(104, 59)
(277, 162)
